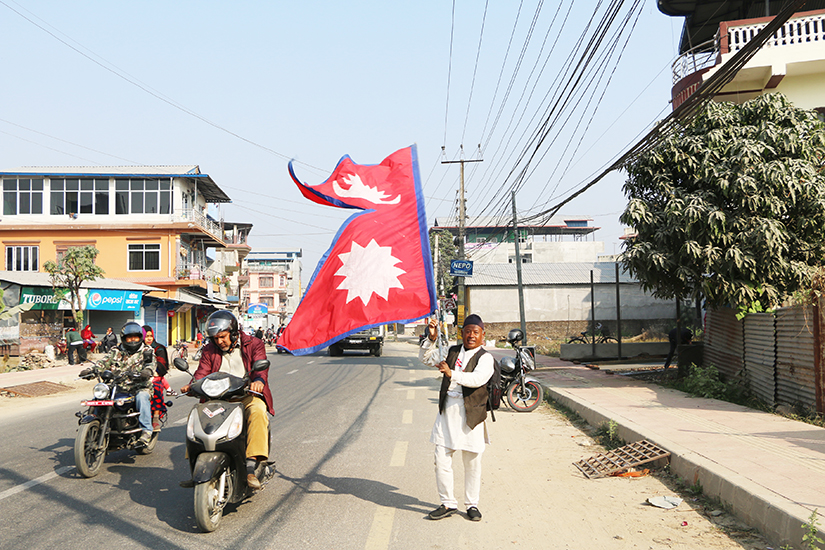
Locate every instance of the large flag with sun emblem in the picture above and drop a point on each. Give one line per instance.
(378, 270)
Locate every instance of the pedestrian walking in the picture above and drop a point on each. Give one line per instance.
(462, 409)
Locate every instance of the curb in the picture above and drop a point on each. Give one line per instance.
(776, 517)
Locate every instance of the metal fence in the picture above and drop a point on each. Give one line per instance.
(772, 352)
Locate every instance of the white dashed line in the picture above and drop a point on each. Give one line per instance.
(406, 418)
(379, 535)
(38, 481)
(292, 372)
(399, 454)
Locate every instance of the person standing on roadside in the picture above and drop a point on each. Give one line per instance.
(74, 346)
(462, 409)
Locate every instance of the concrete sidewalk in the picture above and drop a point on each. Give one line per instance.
(767, 469)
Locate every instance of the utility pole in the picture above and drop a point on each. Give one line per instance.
(462, 216)
(518, 272)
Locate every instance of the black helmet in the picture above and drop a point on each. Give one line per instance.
(220, 321)
(515, 335)
(131, 329)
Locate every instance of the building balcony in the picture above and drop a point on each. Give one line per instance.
(795, 51)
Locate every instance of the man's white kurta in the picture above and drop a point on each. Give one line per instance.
(450, 429)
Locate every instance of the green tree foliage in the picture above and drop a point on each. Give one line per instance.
(732, 207)
(447, 251)
(76, 267)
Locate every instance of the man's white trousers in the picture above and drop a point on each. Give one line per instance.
(444, 476)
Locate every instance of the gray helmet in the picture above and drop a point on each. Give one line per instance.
(515, 335)
(131, 329)
(507, 364)
(220, 321)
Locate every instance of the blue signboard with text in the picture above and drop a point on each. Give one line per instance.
(114, 300)
(461, 268)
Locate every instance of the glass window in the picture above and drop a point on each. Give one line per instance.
(144, 257)
(22, 196)
(266, 282)
(23, 258)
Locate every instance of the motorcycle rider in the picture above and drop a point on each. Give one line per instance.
(233, 351)
(133, 355)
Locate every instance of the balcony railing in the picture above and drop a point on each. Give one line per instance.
(807, 29)
(204, 222)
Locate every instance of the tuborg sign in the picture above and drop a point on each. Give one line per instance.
(90, 299)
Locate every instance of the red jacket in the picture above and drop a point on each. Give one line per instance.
(252, 349)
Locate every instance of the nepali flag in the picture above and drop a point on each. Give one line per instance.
(378, 269)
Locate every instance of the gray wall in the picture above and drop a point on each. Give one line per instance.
(566, 303)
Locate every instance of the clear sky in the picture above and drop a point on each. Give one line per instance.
(239, 88)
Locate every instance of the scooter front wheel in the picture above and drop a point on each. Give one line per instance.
(210, 499)
(525, 399)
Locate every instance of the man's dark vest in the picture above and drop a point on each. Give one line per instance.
(475, 399)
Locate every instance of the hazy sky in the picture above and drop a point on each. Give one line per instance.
(238, 88)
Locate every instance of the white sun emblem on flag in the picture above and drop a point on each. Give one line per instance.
(368, 270)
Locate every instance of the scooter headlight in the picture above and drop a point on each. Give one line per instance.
(100, 391)
(214, 388)
(190, 426)
(235, 424)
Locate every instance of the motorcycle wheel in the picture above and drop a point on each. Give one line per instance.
(146, 450)
(87, 457)
(526, 400)
(209, 504)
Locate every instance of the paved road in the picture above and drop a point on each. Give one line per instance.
(349, 438)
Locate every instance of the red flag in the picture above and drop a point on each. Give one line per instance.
(378, 269)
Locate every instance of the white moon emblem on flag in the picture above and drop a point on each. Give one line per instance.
(368, 270)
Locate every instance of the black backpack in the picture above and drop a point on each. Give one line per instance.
(494, 389)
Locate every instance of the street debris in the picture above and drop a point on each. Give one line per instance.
(621, 459)
(665, 502)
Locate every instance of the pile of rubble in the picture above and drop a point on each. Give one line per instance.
(35, 360)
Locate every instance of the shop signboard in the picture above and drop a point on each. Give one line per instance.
(94, 299)
(42, 297)
(113, 300)
(257, 310)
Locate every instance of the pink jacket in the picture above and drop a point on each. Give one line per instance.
(252, 349)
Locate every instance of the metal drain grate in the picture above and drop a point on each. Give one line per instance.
(35, 389)
(604, 464)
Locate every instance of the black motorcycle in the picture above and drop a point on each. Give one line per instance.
(110, 421)
(216, 444)
(524, 393)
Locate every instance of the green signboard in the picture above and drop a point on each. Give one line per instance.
(41, 297)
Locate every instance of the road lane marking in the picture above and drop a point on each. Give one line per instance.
(399, 453)
(406, 418)
(311, 362)
(33, 482)
(381, 530)
(293, 371)
(410, 394)
(182, 420)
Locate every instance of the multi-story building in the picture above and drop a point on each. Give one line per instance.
(150, 224)
(490, 240)
(274, 279)
(791, 62)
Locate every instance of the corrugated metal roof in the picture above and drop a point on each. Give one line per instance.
(183, 170)
(504, 221)
(546, 274)
(28, 278)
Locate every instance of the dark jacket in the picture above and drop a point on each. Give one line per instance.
(475, 399)
(252, 349)
(109, 340)
(162, 357)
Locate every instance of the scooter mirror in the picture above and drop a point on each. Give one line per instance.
(181, 364)
(260, 364)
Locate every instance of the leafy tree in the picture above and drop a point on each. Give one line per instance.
(76, 267)
(447, 251)
(731, 207)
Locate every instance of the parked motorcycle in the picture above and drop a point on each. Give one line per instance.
(523, 393)
(111, 420)
(216, 444)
